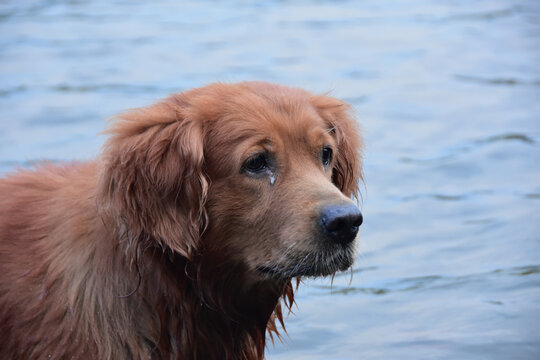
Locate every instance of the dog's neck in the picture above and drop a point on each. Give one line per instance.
(196, 304)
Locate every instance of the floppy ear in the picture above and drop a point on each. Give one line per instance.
(152, 181)
(347, 172)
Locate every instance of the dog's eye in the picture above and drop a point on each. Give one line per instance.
(256, 163)
(326, 156)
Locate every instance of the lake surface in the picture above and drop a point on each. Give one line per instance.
(448, 95)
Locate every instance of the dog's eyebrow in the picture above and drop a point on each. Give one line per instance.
(268, 142)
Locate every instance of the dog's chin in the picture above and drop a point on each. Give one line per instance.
(312, 264)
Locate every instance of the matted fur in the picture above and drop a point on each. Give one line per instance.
(151, 250)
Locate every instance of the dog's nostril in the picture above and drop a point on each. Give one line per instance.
(341, 222)
(335, 224)
(359, 220)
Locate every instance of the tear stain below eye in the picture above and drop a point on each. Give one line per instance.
(272, 179)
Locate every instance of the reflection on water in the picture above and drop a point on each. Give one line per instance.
(447, 93)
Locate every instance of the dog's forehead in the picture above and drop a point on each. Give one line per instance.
(281, 123)
(278, 121)
(274, 112)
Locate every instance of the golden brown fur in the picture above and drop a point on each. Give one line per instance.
(155, 249)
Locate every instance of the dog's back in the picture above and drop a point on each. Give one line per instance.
(45, 218)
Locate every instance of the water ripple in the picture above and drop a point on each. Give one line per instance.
(508, 137)
(483, 16)
(91, 88)
(427, 281)
(455, 151)
(497, 80)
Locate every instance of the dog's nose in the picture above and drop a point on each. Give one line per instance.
(341, 222)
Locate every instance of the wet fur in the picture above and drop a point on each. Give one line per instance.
(135, 255)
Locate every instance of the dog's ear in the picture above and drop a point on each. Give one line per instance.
(152, 181)
(347, 172)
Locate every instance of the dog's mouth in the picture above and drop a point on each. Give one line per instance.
(310, 264)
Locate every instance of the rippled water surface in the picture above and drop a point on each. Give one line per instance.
(448, 94)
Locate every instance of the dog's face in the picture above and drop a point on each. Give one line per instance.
(273, 202)
(269, 170)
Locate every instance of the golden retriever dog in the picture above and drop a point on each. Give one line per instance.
(181, 240)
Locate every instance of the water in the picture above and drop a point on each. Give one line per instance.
(448, 94)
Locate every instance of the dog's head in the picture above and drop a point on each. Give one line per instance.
(260, 173)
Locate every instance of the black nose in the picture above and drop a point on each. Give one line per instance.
(341, 222)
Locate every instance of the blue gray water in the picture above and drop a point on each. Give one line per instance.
(448, 95)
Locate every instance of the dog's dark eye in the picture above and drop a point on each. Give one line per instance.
(326, 156)
(256, 163)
